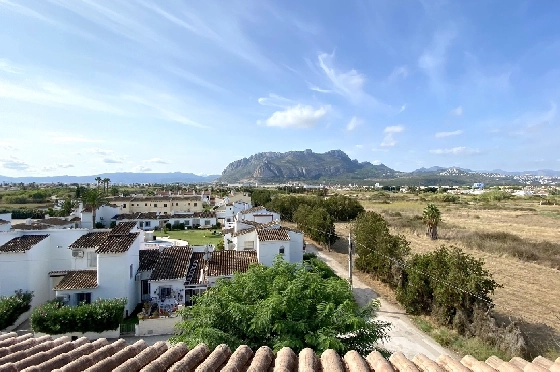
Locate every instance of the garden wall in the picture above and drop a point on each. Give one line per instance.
(159, 326)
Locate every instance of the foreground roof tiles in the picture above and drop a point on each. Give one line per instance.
(77, 279)
(123, 228)
(33, 226)
(45, 354)
(90, 240)
(172, 263)
(22, 243)
(253, 210)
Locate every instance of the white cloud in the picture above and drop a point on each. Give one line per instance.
(389, 139)
(99, 151)
(140, 168)
(434, 58)
(400, 72)
(48, 168)
(353, 123)
(403, 107)
(157, 161)
(14, 164)
(349, 83)
(65, 165)
(8, 67)
(461, 150)
(7, 145)
(275, 100)
(394, 129)
(448, 134)
(376, 162)
(457, 111)
(65, 138)
(298, 116)
(112, 161)
(359, 146)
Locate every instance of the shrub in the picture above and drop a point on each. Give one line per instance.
(113, 224)
(182, 226)
(99, 225)
(99, 316)
(168, 226)
(13, 306)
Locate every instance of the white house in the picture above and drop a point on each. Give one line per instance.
(146, 220)
(268, 240)
(226, 213)
(257, 214)
(152, 220)
(105, 266)
(5, 222)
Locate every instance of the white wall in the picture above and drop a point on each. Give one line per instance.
(104, 214)
(296, 247)
(176, 285)
(268, 250)
(6, 217)
(87, 220)
(241, 239)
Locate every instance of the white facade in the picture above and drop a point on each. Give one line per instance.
(260, 215)
(105, 213)
(5, 222)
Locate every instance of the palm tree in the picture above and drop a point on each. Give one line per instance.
(93, 198)
(106, 185)
(431, 217)
(98, 179)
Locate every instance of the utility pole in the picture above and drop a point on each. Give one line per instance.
(350, 259)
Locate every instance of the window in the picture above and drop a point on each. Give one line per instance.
(195, 204)
(176, 204)
(228, 220)
(124, 206)
(83, 297)
(189, 204)
(187, 222)
(281, 250)
(165, 205)
(155, 205)
(206, 222)
(131, 270)
(145, 204)
(91, 259)
(249, 246)
(147, 223)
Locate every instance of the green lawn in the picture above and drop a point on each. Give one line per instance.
(194, 237)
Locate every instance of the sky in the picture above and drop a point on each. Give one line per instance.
(89, 87)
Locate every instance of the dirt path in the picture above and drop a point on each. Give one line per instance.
(404, 335)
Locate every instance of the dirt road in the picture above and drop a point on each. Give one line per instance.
(405, 336)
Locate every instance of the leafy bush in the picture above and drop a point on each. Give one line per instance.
(447, 284)
(283, 305)
(13, 306)
(168, 226)
(316, 223)
(99, 225)
(113, 224)
(182, 226)
(23, 213)
(99, 316)
(379, 252)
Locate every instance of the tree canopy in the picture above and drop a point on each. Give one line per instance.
(294, 305)
(431, 217)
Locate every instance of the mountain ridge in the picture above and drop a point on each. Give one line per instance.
(118, 177)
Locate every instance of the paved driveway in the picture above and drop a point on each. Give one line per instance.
(404, 335)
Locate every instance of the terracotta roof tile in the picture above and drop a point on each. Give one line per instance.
(55, 222)
(90, 240)
(273, 234)
(75, 219)
(40, 354)
(148, 259)
(78, 279)
(252, 210)
(243, 232)
(22, 243)
(117, 243)
(123, 228)
(36, 226)
(172, 263)
(228, 262)
(227, 231)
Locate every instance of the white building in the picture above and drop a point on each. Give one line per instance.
(267, 240)
(5, 222)
(257, 214)
(75, 264)
(226, 213)
(152, 220)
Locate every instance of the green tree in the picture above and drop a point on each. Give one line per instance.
(106, 182)
(260, 197)
(316, 223)
(67, 207)
(93, 198)
(98, 180)
(379, 252)
(431, 217)
(115, 191)
(284, 305)
(13, 306)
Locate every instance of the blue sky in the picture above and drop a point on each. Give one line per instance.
(104, 86)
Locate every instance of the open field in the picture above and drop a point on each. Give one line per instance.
(194, 237)
(519, 242)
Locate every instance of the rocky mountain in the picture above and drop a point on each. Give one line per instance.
(302, 165)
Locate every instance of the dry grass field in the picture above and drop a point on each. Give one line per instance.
(519, 242)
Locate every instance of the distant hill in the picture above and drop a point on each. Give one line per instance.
(302, 166)
(123, 177)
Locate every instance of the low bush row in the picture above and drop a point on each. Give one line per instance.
(11, 307)
(55, 318)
